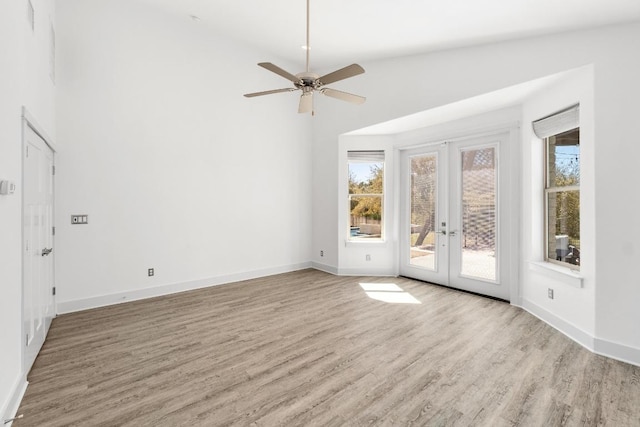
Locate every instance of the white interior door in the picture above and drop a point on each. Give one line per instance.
(38, 299)
(452, 228)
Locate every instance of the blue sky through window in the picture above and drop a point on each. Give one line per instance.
(362, 171)
(567, 154)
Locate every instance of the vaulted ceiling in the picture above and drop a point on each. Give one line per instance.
(346, 31)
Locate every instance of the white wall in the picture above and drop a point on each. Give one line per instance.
(403, 86)
(10, 206)
(24, 81)
(175, 168)
(573, 307)
(617, 91)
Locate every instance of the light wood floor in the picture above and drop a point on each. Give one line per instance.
(308, 348)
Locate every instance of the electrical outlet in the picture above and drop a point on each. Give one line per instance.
(550, 293)
(321, 253)
(367, 257)
(150, 272)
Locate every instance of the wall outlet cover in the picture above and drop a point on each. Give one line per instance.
(7, 187)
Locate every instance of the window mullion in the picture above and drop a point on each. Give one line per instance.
(562, 189)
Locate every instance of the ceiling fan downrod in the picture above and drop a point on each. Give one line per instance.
(308, 46)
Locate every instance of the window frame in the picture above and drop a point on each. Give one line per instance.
(382, 160)
(547, 190)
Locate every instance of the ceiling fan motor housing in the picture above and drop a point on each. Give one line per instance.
(308, 80)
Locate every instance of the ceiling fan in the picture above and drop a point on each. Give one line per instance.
(309, 82)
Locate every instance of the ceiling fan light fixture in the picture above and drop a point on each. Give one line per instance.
(309, 82)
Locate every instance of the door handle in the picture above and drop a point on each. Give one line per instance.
(46, 251)
(443, 232)
(452, 233)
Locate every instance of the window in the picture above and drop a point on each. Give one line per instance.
(562, 197)
(562, 189)
(366, 195)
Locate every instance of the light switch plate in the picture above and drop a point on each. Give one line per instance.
(7, 187)
(79, 219)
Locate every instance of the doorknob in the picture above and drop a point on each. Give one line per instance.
(46, 251)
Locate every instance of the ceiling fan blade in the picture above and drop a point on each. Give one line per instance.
(341, 74)
(343, 96)
(306, 103)
(275, 69)
(269, 92)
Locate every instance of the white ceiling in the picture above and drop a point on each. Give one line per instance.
(346, 31)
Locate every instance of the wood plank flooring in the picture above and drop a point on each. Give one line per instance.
(308, 348)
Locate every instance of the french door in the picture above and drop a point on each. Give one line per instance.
(452, 230)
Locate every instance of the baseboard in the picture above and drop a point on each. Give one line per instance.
(516, 301)
(134, 295)
(578, 335)
(324, 267)
(618, 351)
(599, 346)
(10, 407)
(384, 272)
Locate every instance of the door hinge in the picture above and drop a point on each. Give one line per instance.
(53, 169)
(53, 231)
(54, 291)
(27, 342)
(27, 154)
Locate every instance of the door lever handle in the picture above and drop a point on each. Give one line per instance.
(452, 233)
(46, 251)
(443, 232)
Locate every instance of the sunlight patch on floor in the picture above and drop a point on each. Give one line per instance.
(388, 292)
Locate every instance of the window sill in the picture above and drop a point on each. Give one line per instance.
(361, 243)
(558, 272)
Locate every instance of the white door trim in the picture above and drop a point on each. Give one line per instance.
(29, 122)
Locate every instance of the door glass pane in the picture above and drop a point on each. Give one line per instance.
(423, 211)
(478, 239)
